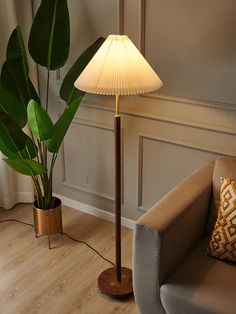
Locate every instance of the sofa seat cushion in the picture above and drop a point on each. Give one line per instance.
(200, 285)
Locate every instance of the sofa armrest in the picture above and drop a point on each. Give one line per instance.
(166, 233)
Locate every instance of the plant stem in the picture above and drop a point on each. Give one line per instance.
(47, 99)
(47, 89)
(40, 152)
(40, 199)
(49, 198)
(39, 195)
(54, 157)
(33, 139)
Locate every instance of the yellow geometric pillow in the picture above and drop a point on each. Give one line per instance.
(222, 244)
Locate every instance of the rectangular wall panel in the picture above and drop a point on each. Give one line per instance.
(163, 165)
(191, 45)
(88, 163)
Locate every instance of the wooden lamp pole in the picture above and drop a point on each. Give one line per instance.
(117, 281)
(118, 190)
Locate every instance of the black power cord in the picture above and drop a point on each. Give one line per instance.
(90, 247)
(73, 239)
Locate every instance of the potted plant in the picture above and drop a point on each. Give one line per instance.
(29, 139)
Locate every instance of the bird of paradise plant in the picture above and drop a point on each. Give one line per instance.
(34, 152)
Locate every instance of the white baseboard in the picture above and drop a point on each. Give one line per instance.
(100, 213)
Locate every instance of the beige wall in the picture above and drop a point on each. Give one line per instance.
(168, 134)
(8, 22)
(13, 13)
(192, 45)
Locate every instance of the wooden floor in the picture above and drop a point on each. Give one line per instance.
(63, 280)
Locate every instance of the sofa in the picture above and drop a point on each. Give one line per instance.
(171, 271)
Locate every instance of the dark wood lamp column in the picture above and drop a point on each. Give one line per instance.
(117, 281)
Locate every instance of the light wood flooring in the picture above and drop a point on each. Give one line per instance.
(63, 280)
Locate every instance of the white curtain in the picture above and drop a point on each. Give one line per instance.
(15, 188)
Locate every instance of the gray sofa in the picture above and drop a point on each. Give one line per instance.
(171, 272)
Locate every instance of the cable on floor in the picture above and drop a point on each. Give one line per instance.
(73, 239)
(90, 247)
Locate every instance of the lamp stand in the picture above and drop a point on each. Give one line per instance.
(117, 281)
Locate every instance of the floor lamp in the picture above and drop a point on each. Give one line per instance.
(117, 68)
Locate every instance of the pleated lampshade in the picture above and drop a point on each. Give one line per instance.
(118, 68)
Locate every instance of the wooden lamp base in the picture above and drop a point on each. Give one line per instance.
(108, 284)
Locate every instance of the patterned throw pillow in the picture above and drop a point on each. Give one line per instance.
(222, 244)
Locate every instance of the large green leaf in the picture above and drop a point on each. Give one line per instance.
(29, 151)
(27, 167)
(17, 64)
(49, 40)
(14, 74)
(17, 87)
(8, 82)
(11, 134)
(67, 91)
(39, 121)
(16, 55)
(14, 109)
(61, 126)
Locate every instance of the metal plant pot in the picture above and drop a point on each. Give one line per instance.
(48, 221)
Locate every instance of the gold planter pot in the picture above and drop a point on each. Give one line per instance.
(48, 221)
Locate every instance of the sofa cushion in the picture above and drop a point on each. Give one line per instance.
(223, 239)
(200, 285)
(224, 167)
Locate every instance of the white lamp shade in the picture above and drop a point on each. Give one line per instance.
(118, 68)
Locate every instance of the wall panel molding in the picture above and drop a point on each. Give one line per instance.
(65, 182)
(97, 125)
(187, 144)
(169, 119)
(173, 99)
(191, 101)
(94, 124)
